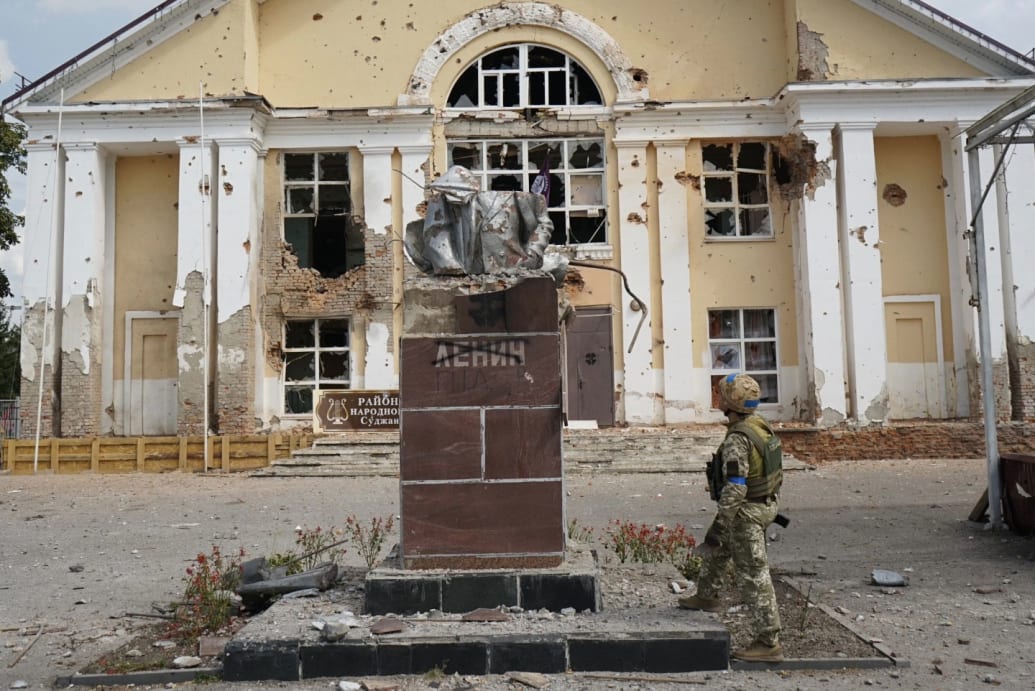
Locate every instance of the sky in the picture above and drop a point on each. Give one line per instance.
(38, 35)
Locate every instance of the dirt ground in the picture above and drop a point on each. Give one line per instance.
(77, 553)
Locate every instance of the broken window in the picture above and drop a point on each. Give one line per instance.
(524, 76)
(575, 195)
(316, 358)
(744, 340)
(318, 213)
(736, 190)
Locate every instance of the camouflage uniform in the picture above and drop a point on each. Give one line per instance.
(740, 526)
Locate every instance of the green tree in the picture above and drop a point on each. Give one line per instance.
(12, 157)
(10, 355)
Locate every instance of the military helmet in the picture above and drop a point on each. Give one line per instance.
(740, 393)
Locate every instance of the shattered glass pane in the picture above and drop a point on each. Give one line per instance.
(587, 190)
(560, 228)
(759, 323)
(329, 250)
(751, 188)
(467, 155)
(464, 93)
(556, 88)
(334, 167)
(718, 189)
(511, 90)
(556, 198)
(355, 254)
(490, 85)
(503, 59)
(719, 222)
(334, 366)
(298, 400)
(584, 91)
(537, 88)
(505, 156)
(752, 156)
(505, 183)
(299, 200)
(334, 333)
(761, 355)
(537, 151)
(755, 222)
(588, 226)
(334, 200)
(544, 57)
(717, 157)
(770, 389)
(299, 366)
(585, 155)
(723, 324)
(298, 167)
(298, 232)
(726, 356)
(299, 334)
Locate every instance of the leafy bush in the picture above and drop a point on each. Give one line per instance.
(368, 541)
(654, 545)
(208, 598)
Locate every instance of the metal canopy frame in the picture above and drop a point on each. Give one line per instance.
(988, 131)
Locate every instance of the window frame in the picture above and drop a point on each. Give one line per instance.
(314, 382)
(527, 172)
(742, 342)
(737, 207)
(316, 184)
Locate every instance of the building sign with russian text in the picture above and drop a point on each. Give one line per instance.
(356, 410)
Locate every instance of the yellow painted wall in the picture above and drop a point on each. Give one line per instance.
(146, 194)
(913, 244)
(862, 45)
(340, 54)
(741, 274)
(218, 50)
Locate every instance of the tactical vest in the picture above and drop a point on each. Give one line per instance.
(765, 467)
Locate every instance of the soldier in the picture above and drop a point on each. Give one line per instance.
(744, 476)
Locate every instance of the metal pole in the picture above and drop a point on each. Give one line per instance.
(995, 502)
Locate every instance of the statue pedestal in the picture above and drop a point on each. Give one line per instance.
(480, 468)
(480, 415)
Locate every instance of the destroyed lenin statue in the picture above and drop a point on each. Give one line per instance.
(467, 231)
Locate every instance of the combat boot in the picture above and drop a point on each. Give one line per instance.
(695, 602)
(760, 652)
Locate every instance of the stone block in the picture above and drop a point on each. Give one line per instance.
(261, 660)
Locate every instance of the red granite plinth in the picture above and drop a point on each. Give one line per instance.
(480, 427)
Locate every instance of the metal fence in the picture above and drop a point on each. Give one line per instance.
(9, 425)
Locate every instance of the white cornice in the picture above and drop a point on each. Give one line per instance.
(698, 120)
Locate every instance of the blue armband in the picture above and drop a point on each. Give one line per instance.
(737, 480)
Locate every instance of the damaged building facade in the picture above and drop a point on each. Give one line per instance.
(217, 194)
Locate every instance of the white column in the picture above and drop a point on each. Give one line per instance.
(81, 280)
(675, 288)
(635, 255)
(862, 282)
(196, 213)
(964, 340)
(821, 330)
(41, 281)
(414, 158)
(1020, 207)
(993, 261)
(377, 210)
(239, 213)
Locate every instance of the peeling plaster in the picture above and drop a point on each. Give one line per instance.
(231, 358)
(859, 233)
(895, 195)
(684, 178)
(877, 411)
(75, 323)
(831, 418)
(188, 357)
(812, 55)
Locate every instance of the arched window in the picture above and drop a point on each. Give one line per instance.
(536, 80)
(524, 76)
